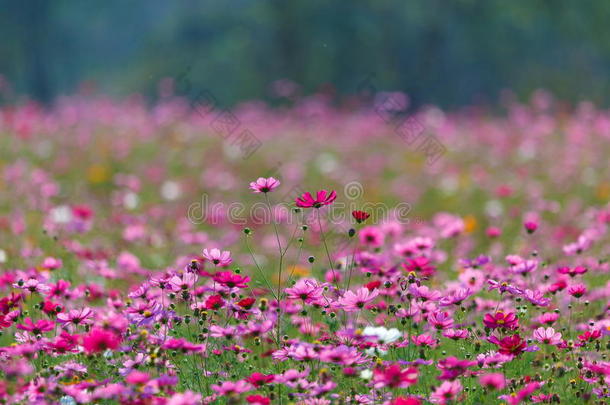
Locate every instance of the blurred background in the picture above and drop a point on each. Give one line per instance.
(441, 52)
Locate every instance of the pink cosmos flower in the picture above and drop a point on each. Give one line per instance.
(352, 302)
(99, 340)
(547, 336)
(577, 290)
(424, 293)
(394, 377)
(501, 320)
(231, 280)
(264, 185)
(371, 236)
(420, 265)
(305, 289)
(51, 263)
(33, 286)
(455, 298)
(230, 388)
(522, 394)
(184, 398)
(456, 334)
(440, 320)
(424, 340)
(448, 391)
(537, 298)
(572, 272)
(38, 327)
(183, 283)
(452, 367)
(494, 381)
(323, 198)
(76, 317)
(219, 259)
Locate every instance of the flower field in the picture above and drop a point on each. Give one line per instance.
(309, 254)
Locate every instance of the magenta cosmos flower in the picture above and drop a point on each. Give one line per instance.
(99, 340)
(264, 185)
(218, 258)
(501, 320)
(323, 198)
(394, 377)
(231, 280)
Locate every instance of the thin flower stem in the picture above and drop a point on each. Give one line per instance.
(330, 261)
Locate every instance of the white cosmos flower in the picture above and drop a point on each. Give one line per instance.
(383, 335)
(366, 374)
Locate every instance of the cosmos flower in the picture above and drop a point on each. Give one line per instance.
(215, 256)
(360, 216)
(307, 290)
(230, 388)
(322, 198)
(38, 327)
(577, 290)
(76, 317)
(394, 377)
(383, 335)
(420, 265)
(452, 367)
(231, 280)
(371, 236)
(572, 271)
(547, 336)
(99, 340)
(352, 302)
(513, 345)
(501, 320)
(264, 185)
(446, 392)
(494, 381)
(440, 320)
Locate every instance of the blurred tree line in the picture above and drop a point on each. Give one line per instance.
(447, 52)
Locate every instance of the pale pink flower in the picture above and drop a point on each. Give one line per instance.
(547, 336)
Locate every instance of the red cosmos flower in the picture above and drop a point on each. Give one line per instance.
(373, 284)
(259, 379)
(421, 265)
(50, 307)
(214, 302)
(246, 303)
(99, 340)
(323, 198)
(231, 280)
(572, 272)
(360, 216)
(510, 345)
(37, 328)
(394, 377)
(590, 336)
(501, 320)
